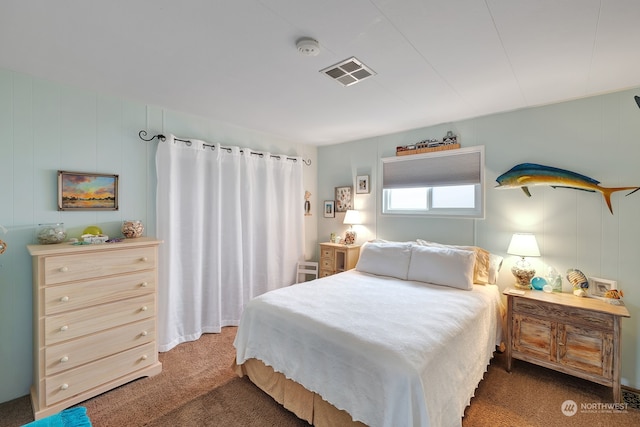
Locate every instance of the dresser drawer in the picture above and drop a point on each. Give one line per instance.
(77, 323)
(563, 313)
(67, 268)
(74, 353)
(75, 381)
(78, 295)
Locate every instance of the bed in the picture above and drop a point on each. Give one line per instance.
(401, 340)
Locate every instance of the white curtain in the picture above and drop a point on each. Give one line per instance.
(232, 226)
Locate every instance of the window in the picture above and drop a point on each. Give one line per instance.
(443, 183)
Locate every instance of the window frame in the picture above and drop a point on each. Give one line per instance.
(478, 212)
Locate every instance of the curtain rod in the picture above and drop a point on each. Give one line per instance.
(161, 137)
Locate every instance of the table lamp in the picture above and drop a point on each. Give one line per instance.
(352, 217)
(523, 245)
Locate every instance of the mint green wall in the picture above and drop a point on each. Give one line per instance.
(598, 137)
(46, 127)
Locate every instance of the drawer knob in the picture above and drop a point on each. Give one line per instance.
(64, 359)
(144, 259)
(64, 269)
(144, 357)
(144, 308)
(64, 386)
(64, 299)
(64, 328)
(144, 284)
(144, 333)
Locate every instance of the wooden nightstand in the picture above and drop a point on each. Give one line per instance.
(336, 258)
(574, 335)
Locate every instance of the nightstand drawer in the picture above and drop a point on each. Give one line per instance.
(563, 313)
(326, 263)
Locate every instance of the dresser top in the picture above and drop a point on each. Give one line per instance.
(68, 248)
(570, 300)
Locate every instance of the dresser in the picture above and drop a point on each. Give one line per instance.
(574, 335)
(94, 309)
(336, 258)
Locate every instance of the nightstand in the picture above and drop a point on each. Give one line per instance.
(574, 335)
(336, 258)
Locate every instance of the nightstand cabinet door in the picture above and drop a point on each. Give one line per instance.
(585, 349)
(534, 337)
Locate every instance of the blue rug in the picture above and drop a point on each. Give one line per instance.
(72, 417)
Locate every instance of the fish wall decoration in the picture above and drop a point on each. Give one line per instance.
(525, 175)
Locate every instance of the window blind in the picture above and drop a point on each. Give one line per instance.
(462, 166)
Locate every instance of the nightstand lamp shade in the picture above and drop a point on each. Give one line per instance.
(523, 245)
(352, 217)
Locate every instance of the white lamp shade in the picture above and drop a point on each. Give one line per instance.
(352, 217)
(523, 244)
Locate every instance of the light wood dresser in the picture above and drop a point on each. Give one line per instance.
(574, 335)
(94, 319)
(336, 258)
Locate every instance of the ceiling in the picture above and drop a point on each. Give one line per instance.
(236, 61)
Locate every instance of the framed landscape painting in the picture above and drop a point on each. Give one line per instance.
(87, 191)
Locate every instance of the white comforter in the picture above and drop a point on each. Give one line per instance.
(389, 352)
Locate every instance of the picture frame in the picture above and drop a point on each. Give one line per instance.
(86, 191)
(344, 198)
(329, 209)
(598, 287)
(362, 184)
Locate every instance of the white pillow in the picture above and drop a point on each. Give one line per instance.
(385, 259)
(442, 266)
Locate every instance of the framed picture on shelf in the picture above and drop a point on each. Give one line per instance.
(362, 184)
(344, 198)
(82, 191)
(329, 209)
(598, 287)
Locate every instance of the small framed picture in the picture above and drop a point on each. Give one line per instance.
(344, 199)
(362, 184)
(329, 209)
(82, 191)
(598, 287)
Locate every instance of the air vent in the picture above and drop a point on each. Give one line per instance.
(349, 72)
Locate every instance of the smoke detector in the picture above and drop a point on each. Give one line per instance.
(308, 46)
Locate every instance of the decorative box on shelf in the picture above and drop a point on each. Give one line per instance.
(449, 142)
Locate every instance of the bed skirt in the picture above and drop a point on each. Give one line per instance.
(305, 404)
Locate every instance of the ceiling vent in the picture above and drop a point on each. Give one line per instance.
(349, 72)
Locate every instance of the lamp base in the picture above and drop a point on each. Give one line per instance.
(523, 272)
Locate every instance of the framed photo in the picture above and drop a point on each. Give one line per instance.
(598, 287)
(344, 199)
(329, 209)
(81, 191)
(362, 184)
